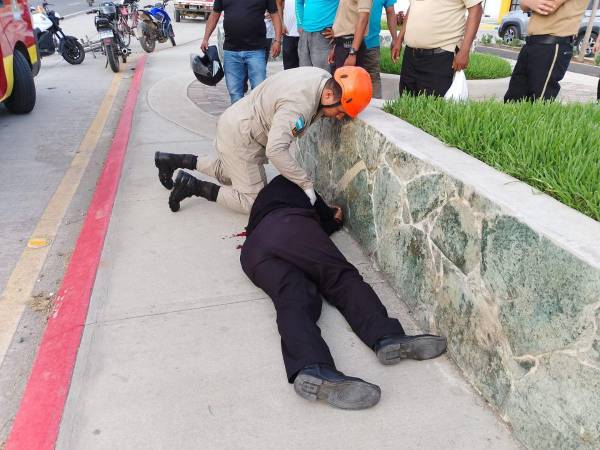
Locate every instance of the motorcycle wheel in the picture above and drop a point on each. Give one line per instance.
(73, 51)
(147, 42)
(113, 57)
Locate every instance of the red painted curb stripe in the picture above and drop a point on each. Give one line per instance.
(38, 419)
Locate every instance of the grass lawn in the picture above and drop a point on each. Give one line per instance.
(481, 66)
(552, 147)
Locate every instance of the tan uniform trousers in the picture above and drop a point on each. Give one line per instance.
(241, 180)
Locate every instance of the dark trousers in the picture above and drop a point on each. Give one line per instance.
(290, 52)
(342, 50)
(292, 259)
(538, 71)
(424, 72)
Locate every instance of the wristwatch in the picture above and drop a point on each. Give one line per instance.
(352, 52)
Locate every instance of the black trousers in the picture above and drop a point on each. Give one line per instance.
(293, 260)
(426, 73)
(538, 71)
(290, 52)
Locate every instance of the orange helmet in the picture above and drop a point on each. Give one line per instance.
(357, 89)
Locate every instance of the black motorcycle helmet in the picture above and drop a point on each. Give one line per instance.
(207, 67)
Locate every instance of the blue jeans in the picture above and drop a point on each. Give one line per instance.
(241, 66)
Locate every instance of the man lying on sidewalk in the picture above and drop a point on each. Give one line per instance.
(289, 255)
(261, 127)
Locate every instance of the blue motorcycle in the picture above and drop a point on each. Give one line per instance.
(155, 25)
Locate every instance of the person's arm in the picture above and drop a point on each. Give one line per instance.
(213, 20)
(299, 15)
(543, 7)
(364, 10)
(280, 8)
(276, 47)
(397, 46)
(392, 22)
(278, 149)
(461, 59)
(331, 218)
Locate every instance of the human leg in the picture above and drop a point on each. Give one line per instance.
(434, 73)
(518, 87)
(319, 50)
(548, 65)
(235, 74)
(290, 52)
(408, 76)
(371, 63)
(304, 50)
(256, 63)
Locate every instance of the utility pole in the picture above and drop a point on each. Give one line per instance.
(588, 32)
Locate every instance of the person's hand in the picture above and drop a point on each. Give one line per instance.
(395, 50)
(461, 61)
(597, 46)
(204, 45)
(330, 58)
(300, 31)
(400, 18)
(327, 33)
(543, 7)
(350, 60)
(338, 216)
(275, 49)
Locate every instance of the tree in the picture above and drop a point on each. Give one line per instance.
(588, 33)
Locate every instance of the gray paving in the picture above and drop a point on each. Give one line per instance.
(181, 351)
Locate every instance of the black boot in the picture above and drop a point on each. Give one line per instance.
(393, 348)
(167, 163)
(321, 382)
(188, 186)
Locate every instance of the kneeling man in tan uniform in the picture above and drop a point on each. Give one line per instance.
(260, 128)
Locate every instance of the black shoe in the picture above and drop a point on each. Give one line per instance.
(321, 382)
(187, 186)
(391, 349)
(167, 163)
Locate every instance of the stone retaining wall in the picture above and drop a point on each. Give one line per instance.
(511, 276)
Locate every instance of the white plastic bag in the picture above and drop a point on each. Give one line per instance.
(459, 91)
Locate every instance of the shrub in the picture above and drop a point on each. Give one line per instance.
(551, 146)
(481, 66)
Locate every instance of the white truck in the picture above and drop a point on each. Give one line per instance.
(192, 8)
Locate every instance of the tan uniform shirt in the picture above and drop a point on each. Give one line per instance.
(437, 23)
(564, 22)
(346, 17)
(262, 125)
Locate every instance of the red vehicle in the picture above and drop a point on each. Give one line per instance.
(19, 59)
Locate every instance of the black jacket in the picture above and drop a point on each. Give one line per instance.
(282, 193)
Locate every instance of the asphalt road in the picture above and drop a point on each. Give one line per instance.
(65, 7)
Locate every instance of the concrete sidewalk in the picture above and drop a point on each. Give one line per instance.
(181, 351)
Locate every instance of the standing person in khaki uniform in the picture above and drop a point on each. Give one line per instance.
(260, 128)
(545, 57)
(438, 43)
(349, 30)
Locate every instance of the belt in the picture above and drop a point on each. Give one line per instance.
(343, 39)
(549, 39)
(428, 51)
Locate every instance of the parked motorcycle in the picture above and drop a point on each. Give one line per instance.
(155, 25)
(111, 41)
(50, 37)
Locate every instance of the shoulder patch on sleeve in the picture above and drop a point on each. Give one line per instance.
(299, 126)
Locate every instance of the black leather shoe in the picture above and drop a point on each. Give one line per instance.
(167, 163)
(391, 349)
(187, 186)
(321, 382)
